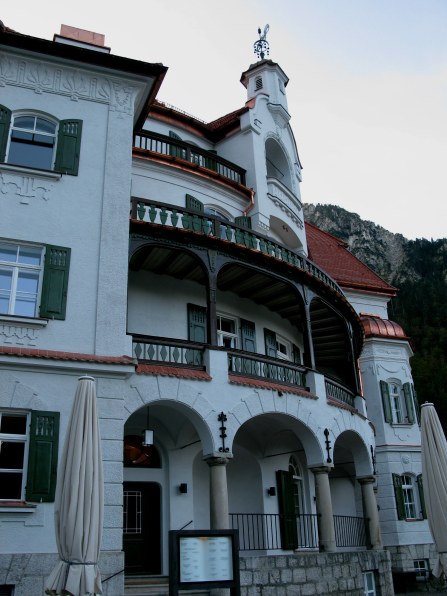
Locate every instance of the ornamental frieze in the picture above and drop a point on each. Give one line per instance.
(76, 84)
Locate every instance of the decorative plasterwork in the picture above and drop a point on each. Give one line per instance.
(74, 83)
(279, 114)
(27, 188)
(19, 335)
(296, 220)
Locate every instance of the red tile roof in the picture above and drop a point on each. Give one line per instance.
(332, 255)
(375, 326)
(58, 355)
(173, 371)
(261, 384)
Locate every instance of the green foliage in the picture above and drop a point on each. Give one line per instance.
(420, 308)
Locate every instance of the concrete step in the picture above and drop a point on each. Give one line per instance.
(144, 585)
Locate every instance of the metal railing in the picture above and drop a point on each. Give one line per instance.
(179, 217)
(164, 145)
(351, 531)
(157, 350)
(262, 531)
(264, 367)
(339, 392)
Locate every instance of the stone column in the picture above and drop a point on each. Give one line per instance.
(371, 511)
(219, 517)
(326, 528)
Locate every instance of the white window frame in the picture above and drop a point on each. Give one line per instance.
(411, 497)
(283, 355)
(422, 569)
(369, 590)
(17, 268)
(35, 115)
(221, 335)
(16, 438)
(397, 410)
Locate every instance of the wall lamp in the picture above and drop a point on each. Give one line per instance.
(183, 488)
(271, 491)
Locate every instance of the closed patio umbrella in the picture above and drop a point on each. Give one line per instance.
(79, 501)
(434, 473)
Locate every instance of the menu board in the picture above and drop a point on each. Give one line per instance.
(206, 558)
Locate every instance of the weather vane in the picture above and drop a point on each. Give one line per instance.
(261, 46)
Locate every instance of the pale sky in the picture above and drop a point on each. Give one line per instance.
(367, 90)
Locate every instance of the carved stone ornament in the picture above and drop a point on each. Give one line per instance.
(71, 82)
(27, 188)
(18, 335)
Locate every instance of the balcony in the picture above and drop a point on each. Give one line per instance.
(283, 198)
(264, 531)
(262, 367)
(158, 144)
(175, 217)
(339, 393)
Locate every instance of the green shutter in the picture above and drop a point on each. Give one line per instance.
(193, 203)
(409, 402)
(68, 147)
(287, 516)
(417, 407)
(5, 123)
(210, 162)
(55, 282)
(296, 354)
(197, 323)
(248, 336)
(42, 458)
(386, 401)
(399, 496)
(421, 496)
(270, 343)
(244, 221)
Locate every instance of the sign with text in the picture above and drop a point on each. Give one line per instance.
(203, 559)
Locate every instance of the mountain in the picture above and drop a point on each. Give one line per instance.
(419, 269)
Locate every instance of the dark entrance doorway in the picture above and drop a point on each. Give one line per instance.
(141, 528)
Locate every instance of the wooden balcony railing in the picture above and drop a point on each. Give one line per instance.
(179, 217)
(161, 144)
(338, 392)
(175, 352)
(263, 367)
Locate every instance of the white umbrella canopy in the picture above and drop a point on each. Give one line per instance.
(79, 501)
(434, 473)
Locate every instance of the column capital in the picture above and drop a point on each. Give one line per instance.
(321, 469)
(366, 479)
(216, 460)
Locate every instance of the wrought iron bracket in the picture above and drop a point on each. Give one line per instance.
(328, 446)
(223, 435)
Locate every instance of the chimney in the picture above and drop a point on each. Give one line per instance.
(82, 38)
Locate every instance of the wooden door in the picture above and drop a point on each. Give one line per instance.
(141, 528)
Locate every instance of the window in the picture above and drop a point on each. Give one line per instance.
(409, 495)
(277, 346)
(227, 332)
(36, 141)
(369, 583)
(421, 569)
(28, 271)
(28, 455)
(399, 402)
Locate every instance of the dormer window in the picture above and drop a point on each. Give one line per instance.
(258, 83)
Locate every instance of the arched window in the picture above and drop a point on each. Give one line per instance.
(34, 140)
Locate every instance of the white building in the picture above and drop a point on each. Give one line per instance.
(212, 316)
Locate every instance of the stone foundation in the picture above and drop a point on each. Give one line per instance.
(403, 557)
(315, 573)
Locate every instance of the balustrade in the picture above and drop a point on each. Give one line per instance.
(158, 143)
